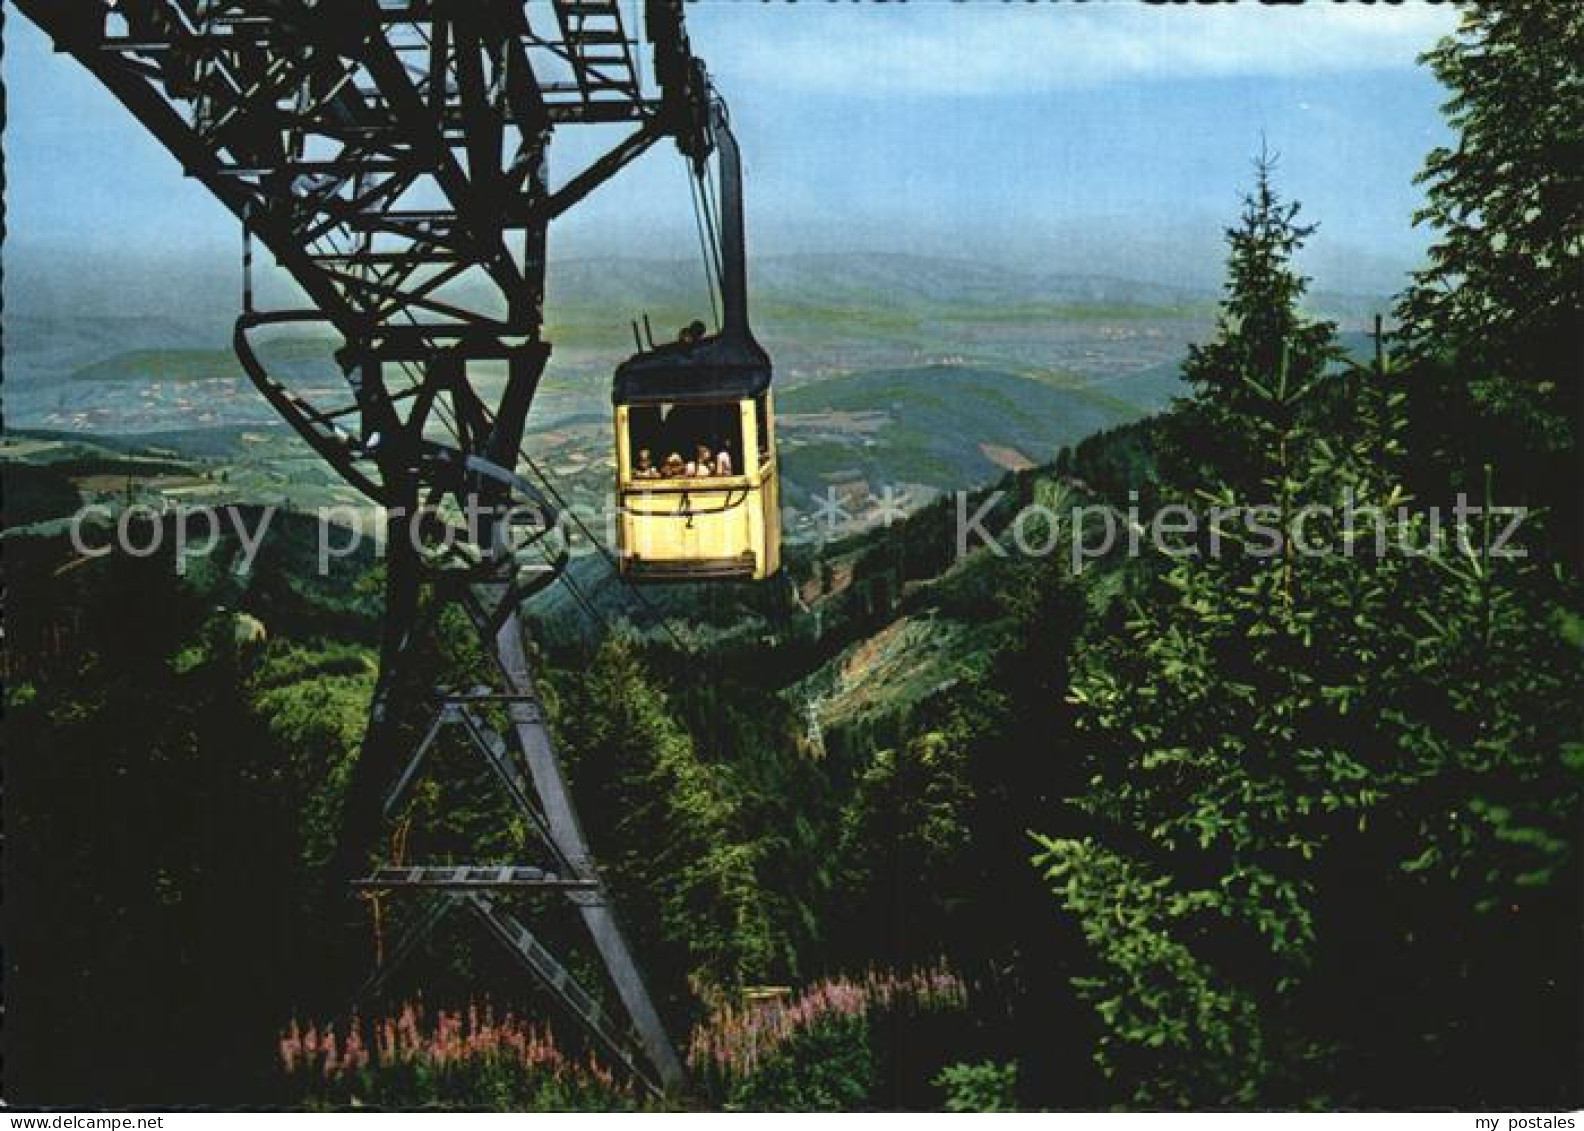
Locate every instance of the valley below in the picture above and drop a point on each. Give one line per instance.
(899, 378)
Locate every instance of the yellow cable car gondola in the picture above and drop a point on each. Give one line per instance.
(697, 485)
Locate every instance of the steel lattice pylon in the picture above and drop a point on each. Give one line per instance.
(392, 155)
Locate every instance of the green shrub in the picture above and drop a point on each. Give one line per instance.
(829, 1066)
(986, 1086)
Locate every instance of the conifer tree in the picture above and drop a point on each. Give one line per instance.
(1319, 770)
(670, 834)
(1493, 320)
(1260, 328)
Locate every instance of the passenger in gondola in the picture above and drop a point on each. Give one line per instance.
(645, 468)
(673, 467)
(723, 461)
(702, 465)
(692, 333)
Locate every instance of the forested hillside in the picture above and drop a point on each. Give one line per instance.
(1224, 823)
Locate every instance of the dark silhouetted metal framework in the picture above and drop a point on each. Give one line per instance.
(392, 155)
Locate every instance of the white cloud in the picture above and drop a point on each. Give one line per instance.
(991, 47)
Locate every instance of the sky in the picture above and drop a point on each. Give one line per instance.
(1102, 137)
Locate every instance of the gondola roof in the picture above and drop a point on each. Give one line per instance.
(720, 368)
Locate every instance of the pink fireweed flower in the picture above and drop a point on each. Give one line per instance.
(291, 1046)
(736, 1038)
(452, 1041)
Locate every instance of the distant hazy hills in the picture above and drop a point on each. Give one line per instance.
(191, 301)
(891, 368)
(888, 281)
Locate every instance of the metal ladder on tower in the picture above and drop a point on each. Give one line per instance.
(598, 48)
